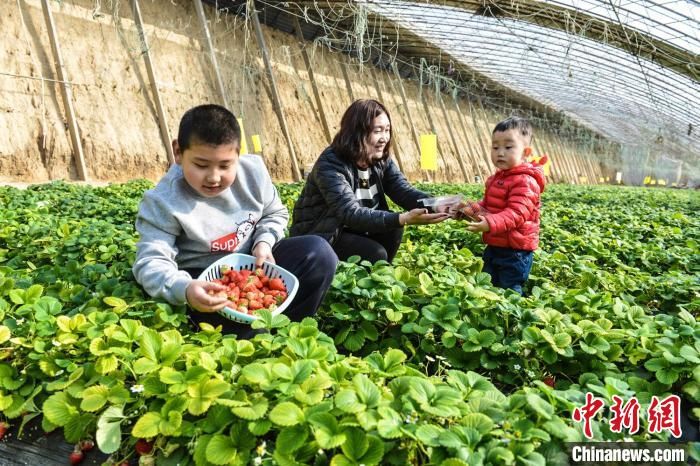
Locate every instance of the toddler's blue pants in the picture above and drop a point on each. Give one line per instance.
(509, 268)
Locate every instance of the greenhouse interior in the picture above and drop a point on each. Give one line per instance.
(349, 232)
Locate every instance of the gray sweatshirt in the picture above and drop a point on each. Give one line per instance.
(181, 229)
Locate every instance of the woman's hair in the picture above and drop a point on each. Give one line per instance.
(355, 128)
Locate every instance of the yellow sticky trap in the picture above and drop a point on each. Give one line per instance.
(602, 180)
(647, 180)
(257, 147)
(653, 181)
(583, 179)
(662, 182)
(428, 151)
(674, 184)
(244, 144)
(547, 166)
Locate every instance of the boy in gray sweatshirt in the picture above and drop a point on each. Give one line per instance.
(211, 203)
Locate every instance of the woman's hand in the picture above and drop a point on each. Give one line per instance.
(422, 217)
(206, 296)
(263, 253)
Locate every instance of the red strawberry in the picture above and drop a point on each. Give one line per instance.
(3, 429)
(277, 284)
(549, 380)
(76, 457)
(143, 447)
(255, 305)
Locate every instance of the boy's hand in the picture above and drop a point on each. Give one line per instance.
(206, 296)
(421, 217)
(263, 253)
(479, 227)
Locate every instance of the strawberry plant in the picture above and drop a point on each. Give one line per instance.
(418, 362)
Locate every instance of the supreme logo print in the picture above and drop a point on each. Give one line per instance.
(225, 243)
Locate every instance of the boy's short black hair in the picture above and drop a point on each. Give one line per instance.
(209, 124)
(522, 125)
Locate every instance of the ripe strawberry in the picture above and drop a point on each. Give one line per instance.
(254, 305)
(549, 380)
(277, 284)
(3, 429)
(76, 457)
(143, 447)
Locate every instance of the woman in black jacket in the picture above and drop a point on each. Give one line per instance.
(344, 197)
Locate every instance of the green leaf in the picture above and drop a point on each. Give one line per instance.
(374, 453)
(687, 352)
(366, 390)
(202, 394)
(355, 340)
(259, 427)
(356, 444)
(429, 434)
(106, 364)
(286, 414)
(253, 412)
(169, 375)
(256, 373)
(478, 421)
(109, 432)
(486, 338)
(112, 301)
(348, 401)
(94, 398)
(221, 450)
(453, 462)
(500, 455)
(150, 344)
(540, 406)
(533, 459)
(290, 439)
(667, 376)
(326, 430)
(33, 293)
(4, 334)
(656, 364)
(147, 426)
(59, 410)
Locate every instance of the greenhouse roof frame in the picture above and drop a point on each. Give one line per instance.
(597, 67)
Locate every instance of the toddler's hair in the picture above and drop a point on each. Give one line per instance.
(209, 124)
(520, 124)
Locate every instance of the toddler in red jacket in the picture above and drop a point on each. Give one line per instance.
(509, 214)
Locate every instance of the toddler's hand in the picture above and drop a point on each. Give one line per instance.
(479, 227)
(206, 296)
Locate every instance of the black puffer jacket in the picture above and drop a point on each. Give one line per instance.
(328, 203)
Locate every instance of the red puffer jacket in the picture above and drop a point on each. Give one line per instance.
(512, 199)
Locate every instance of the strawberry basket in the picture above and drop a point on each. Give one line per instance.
(240, 262)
